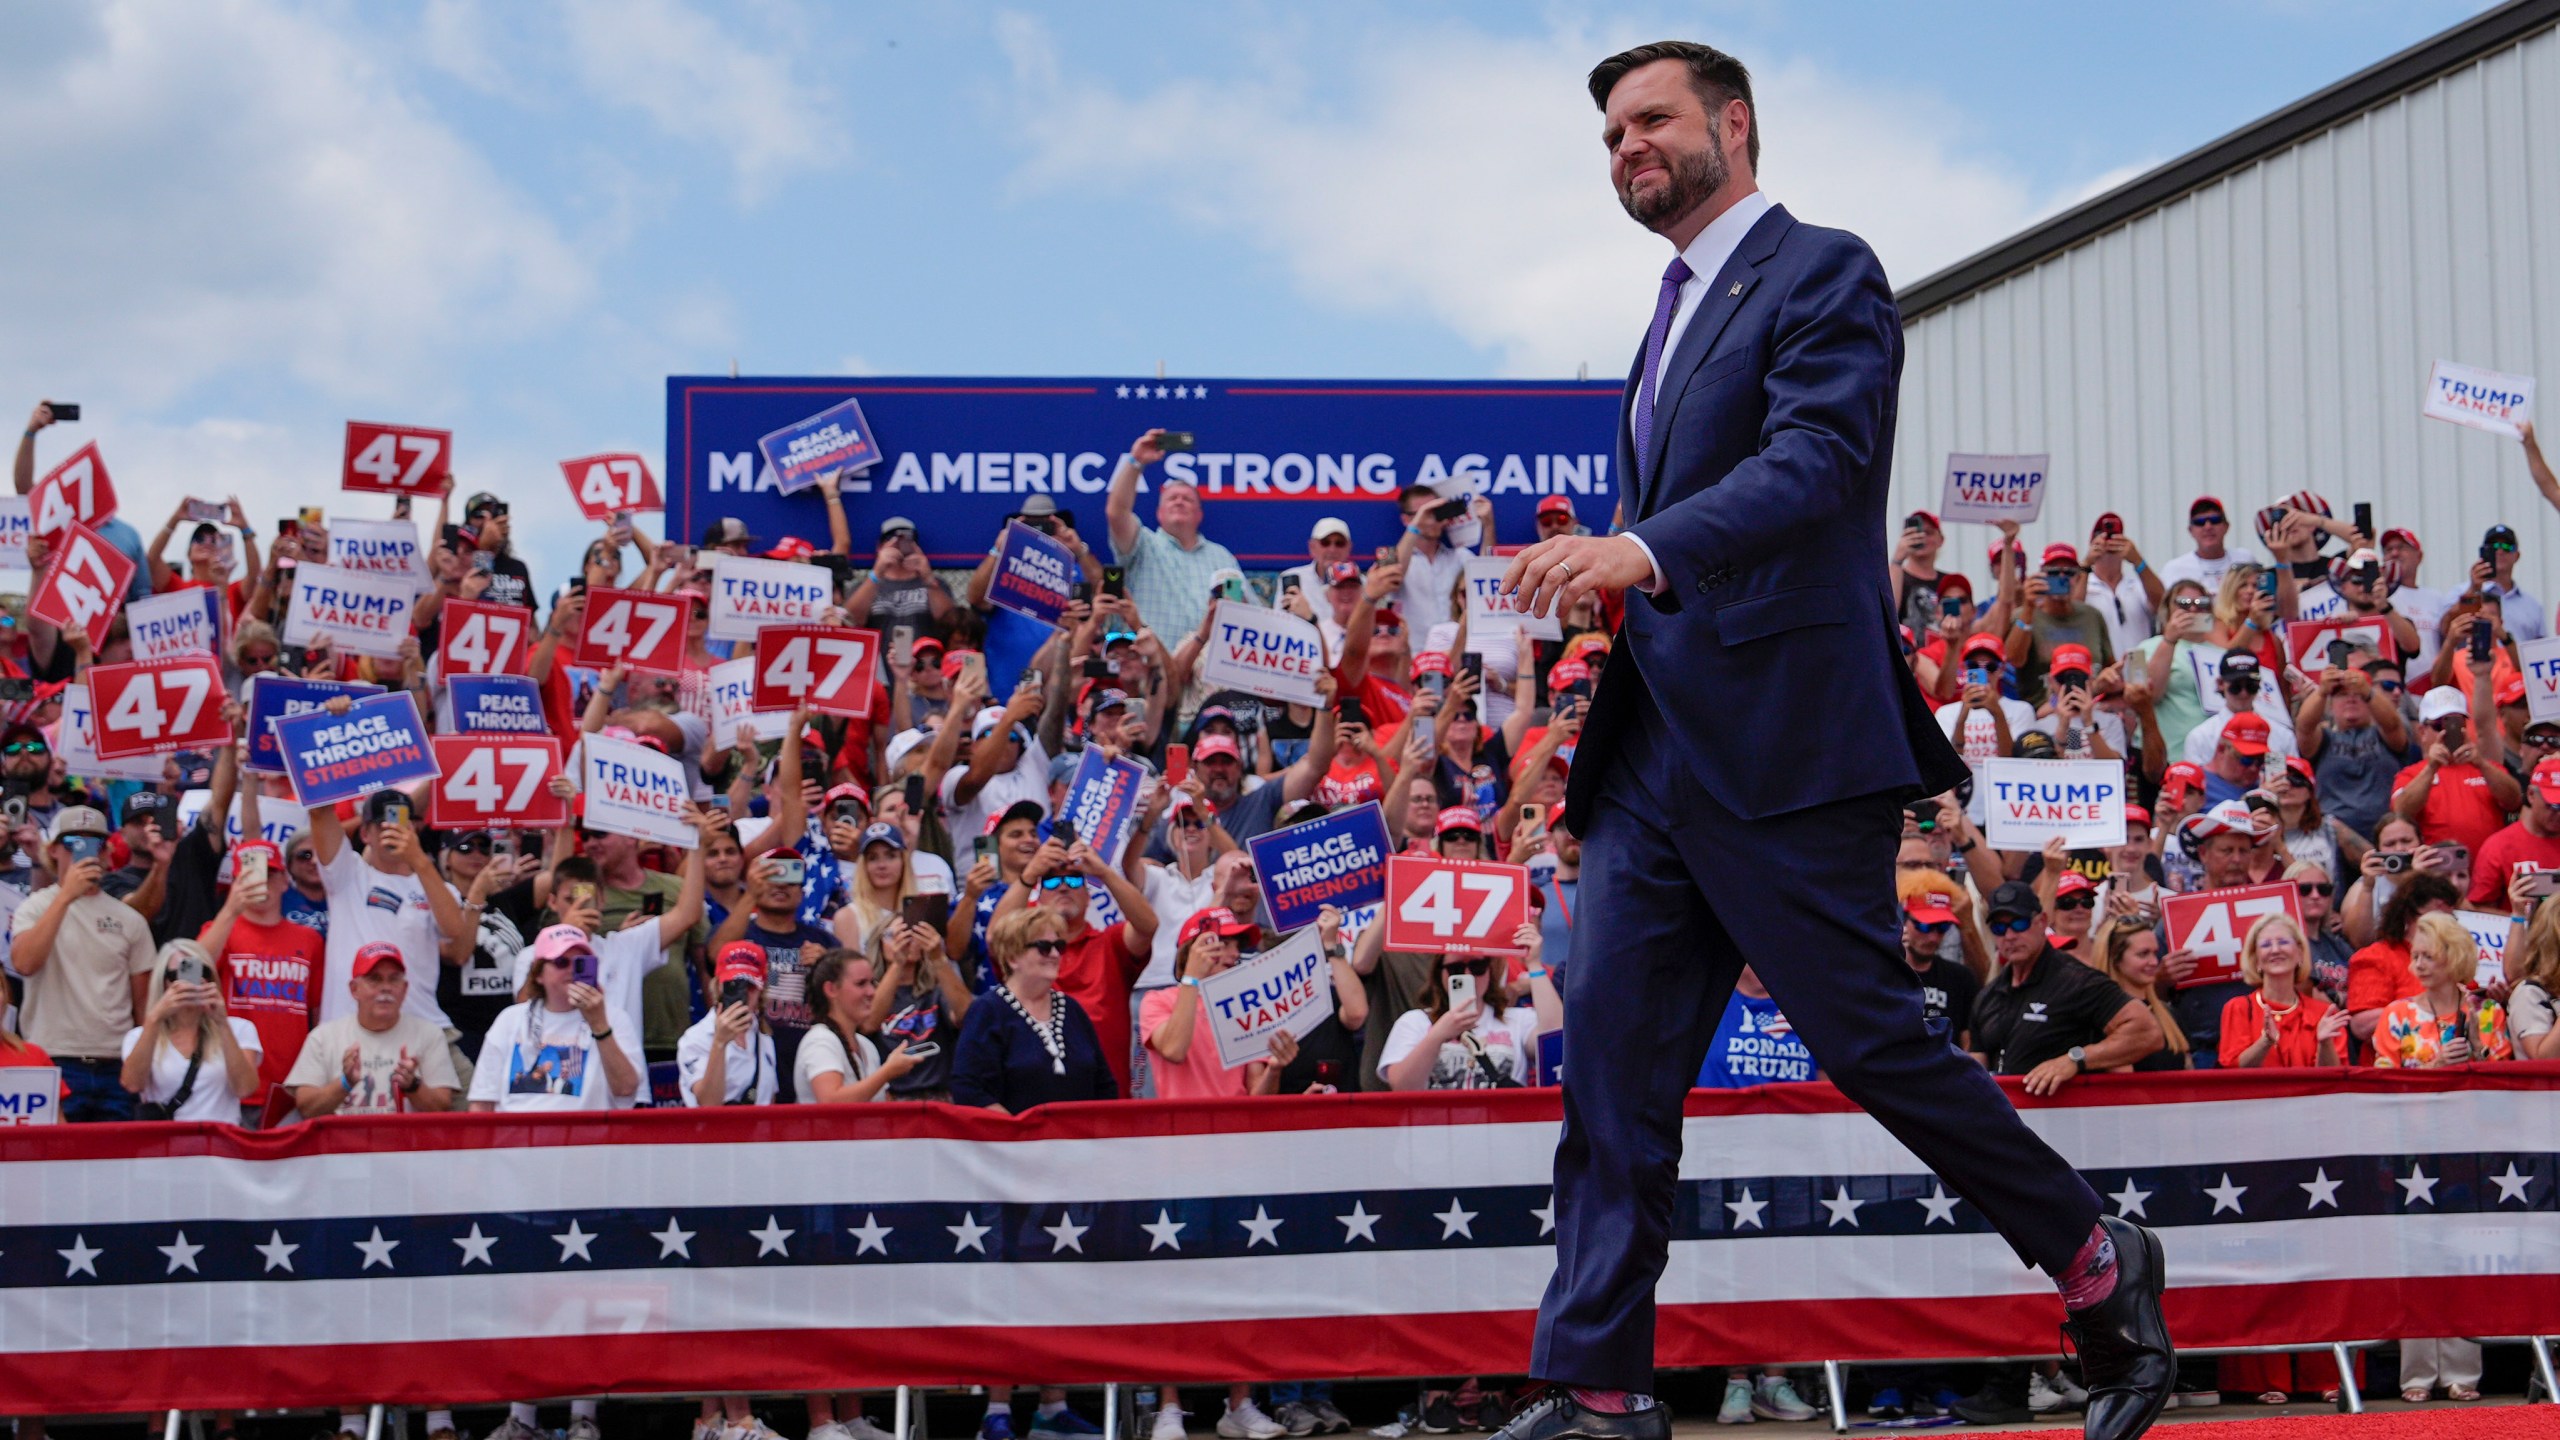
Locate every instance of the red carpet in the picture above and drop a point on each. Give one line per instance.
(2471, 1422)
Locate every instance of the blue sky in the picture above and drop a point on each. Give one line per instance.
(235, 224)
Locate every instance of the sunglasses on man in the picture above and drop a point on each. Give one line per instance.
(24, 747)
(2208, 518)
(1062, 882)
(2013, 925)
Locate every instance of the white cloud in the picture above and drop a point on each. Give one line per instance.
(698, 81)
(229, 193)
(1460, 177)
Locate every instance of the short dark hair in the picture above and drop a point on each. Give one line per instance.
(1714, 75)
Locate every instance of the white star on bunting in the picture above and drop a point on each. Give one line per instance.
(1262, 1229)
(2419, 1185)
(968, 1235)
(2512, 1185)
(2226, 1196)
(575, 1242)
(674, 1241)
(1746, 1211)
(2129, 1201)
(2321, 1189)
(1546, 1215)
(1124, 392)
(1066, 1234)
(82, 1255)
(476, 1246)
(1941, 1206)
(1359, 1224)
(1456, 1220)
(278, 1253)
(773, 1239)
(377, 1251)
(1842, 1208)
(181, 1255)
(1166, 1233)
(870, 1235)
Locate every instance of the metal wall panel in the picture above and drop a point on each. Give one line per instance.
(2272, 331)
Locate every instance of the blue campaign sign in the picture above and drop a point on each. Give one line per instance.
(380, 742)
(496, 705)
(279, 697)
(1338, 859)
(805, 452)
(1035, 575)
(1271, 457)
(1102, 802)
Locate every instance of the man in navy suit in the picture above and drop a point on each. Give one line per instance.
(1742, 770)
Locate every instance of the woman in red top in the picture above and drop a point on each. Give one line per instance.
(2283, 1022)
(2379, 974)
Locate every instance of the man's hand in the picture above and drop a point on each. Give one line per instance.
(41, 416)
(1552, 576)
(2177, 965)
(351, 1067)
(84, 878)
(2049, 1077)
(1147, 449)
(404, 1075)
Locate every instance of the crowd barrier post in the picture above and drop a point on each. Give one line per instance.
(1835, 1384)
(902, 1417)
(373, 1422)
(2542, 1366)
(2350, 1396)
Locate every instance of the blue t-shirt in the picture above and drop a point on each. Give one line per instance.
(301, 909)
(1754, 1045)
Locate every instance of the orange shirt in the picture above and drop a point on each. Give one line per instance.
(2244, 1020)
(2379, 974)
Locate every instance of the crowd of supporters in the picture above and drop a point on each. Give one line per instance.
(887, 907)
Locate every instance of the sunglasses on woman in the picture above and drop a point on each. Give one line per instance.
(2076, 902)
(1472, 967)
(1046, 947)
(2544, 741)
(2316, 887)
(257, 659)
(1062, 882)
(2015, 925)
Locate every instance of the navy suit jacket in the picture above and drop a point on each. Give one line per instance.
(1772, 649)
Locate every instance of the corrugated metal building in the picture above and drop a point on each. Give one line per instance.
(2259, 316)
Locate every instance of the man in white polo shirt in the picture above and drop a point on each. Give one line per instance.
(1327, 544)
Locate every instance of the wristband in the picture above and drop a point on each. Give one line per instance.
(2141, 569)
(1967, 847)
(604, 1034)
(1191, 980)
(1538, 974)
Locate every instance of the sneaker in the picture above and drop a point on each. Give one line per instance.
(1776, 1399)
(1395, 1429)
(1492, 1414)
(702, 1430)
(1060, 1424)
(1440, 1417)
(750, 1428)
(2044, 1397)
(832, 1430)
(2070, 1390)
(1297, 1418)
(859, 1428)
(508, 1429)
(1247, 1422)
(998, 1425)
(1938, 1406)
(1736, 1409)
(1886, 1404)
(2197, 1399)
(2001, 1401)
(1329, 1421)
(1168, 1424)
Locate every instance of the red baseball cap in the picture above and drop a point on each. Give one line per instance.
(2301, 769)
(1978, 643)
(791, 547)
(2070, 658)
(1929, 907)
(2074, 883)
(1214, 744)
(741, 960)
(2405, 537)
(1218, 918)
(2546, 779)
(2247, 732)
(2183, 776)
(924, 643)
(2061, 553)
(2511, 690)
(370, 958)
(1567, 672)
(1458, 817)
(2203, 503)
(952, 661)
(1555, 505)
(2136, 816)
(1953, 582)
(848, 790)
(1431, 662)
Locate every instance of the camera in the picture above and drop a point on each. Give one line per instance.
(789, 870)
(2395, 862)
(1923, 814)
(1175, 442)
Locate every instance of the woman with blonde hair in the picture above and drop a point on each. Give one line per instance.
(883, 876)
(2533, 963)
(2283, 1021)
(189, 1059)
(2128, 952)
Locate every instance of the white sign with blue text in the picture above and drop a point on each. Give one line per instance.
(2541, 660)
(2480, 399)
(1262, 652)
(1287, 987)
(748, 594)
(634, 790)
(2028, 802)
(30, 1095)
(1992, 488)
(181, 622)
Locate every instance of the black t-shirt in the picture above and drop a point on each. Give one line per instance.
(475, 991)
(194, 893)
(1947, 990)
(902, 602)
(2064, 1003)
(510, 583)
(2198, 1009)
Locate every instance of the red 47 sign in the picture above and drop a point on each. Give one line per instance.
(399, 459)
(635, 629)
(77, 491)
(150, 707)
(483, 639)
(602, 484)
(1454, 907)
(2213, 924)
(496, 782)
(832, 667)
(84, 584)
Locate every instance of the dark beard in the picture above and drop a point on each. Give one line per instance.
(1693, 179)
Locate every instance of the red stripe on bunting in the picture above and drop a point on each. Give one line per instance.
(1372, 1347)
(1113, 1120)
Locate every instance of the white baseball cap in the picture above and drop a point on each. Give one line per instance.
(1330, 525)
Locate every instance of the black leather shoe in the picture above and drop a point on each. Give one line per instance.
(1556, 1415)
(2126, 1358)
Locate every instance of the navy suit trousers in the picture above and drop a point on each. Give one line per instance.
(1677, 895)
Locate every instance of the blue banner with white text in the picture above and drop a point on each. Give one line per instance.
(1271, 457)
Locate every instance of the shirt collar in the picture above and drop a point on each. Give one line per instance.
(1715, 244)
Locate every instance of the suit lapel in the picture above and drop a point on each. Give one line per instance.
(1731, 286)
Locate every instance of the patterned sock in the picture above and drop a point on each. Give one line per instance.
(1611, 1402)
(2092, 1276)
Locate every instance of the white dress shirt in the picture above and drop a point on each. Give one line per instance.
(1706, 255)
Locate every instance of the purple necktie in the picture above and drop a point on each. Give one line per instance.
(1674, 275)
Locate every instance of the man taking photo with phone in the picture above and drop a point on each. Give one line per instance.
(1172, 568)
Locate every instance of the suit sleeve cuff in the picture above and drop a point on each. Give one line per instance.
(1653, 582)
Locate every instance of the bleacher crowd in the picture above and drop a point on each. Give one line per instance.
(888, 907)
